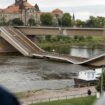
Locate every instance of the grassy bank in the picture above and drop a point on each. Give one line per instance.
(46, 41)
(75, 101)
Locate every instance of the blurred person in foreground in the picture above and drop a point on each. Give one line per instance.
(7, 98)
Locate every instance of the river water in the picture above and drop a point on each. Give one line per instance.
(18, 73)
(80, 51)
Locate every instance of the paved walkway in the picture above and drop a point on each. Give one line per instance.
(50, 95)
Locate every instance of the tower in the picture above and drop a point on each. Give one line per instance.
(37, 7)
(17, 2)
(73, 17)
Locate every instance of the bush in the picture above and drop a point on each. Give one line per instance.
(98, 86)
(46, 19)
(17, 22)
(31, 22)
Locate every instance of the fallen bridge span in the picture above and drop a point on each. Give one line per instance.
(25, 46)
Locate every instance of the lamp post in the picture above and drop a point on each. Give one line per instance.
(25, 16)
(102, 80)
(60, 28)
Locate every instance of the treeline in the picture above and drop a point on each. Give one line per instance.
(17, 22)
(47, 19)
(92, 22)
(67, 21)
(47, 39)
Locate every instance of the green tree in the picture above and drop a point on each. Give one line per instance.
(100, 21)
(55, 21)
(31, 22)
(66, 20)
(3, 21)
(80, 23)
(97, 22)
(17, 22)
(98, 86)
(46, 19)
(90, 22)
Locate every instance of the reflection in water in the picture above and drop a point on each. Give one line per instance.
(80, 51)
(85, 52)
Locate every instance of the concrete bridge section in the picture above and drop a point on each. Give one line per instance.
(95, 61)
(62, 31)
(25, 46)
(19, 41)
(6, 47)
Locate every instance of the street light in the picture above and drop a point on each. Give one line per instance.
(102, 80)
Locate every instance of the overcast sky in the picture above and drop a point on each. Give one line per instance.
(81, 8)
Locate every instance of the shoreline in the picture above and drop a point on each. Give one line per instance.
(35, 96)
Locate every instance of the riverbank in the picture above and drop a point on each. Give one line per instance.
(30, 97)
(49, 41)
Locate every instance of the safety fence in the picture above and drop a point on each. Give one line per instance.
(58, 98)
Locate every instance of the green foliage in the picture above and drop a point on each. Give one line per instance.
(17, 22)
(55, 21)
(79, 38)
(89, 38)
(80, 23)
(48, 37)
(3, 21)
(76, 101)
(98, 87)
(46, 19)
(66, 20)
(97, 22)
(31, 22)
(92, 22)
(75, 37)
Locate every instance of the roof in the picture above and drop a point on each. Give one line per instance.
(57, 11)
(87, 71)
(12, 8)
(15, 8)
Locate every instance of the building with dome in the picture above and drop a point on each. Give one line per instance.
(57, 13)
(20, 9)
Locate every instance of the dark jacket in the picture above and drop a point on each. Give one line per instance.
(7, 98)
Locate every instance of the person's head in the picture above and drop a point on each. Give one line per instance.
(7, 98)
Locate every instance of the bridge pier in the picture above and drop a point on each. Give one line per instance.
(5, 47)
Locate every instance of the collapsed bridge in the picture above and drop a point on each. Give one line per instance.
(18, 39)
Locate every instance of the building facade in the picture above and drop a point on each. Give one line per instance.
(20, 9)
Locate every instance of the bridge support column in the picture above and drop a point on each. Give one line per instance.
(5, 46)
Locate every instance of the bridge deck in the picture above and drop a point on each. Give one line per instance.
(19, 41)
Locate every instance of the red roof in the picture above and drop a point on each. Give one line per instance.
(15, 8)
(57, 11)
(12, 8)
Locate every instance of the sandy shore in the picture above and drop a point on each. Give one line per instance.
(48, 95)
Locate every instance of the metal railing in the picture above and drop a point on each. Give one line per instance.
(58, 98)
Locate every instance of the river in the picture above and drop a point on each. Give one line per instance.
(19, 73)
(80, 51)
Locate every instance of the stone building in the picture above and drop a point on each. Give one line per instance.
(20, 9)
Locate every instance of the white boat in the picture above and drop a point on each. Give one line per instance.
(88, 77)
(98, 72)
